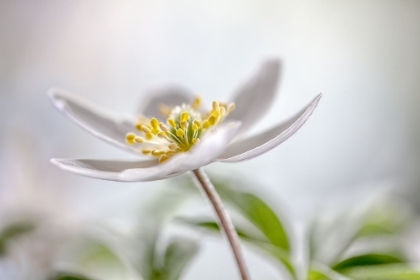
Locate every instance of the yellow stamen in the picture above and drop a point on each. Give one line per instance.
(145, 129)
(222, 111)
(215, 105)
(196, 102)
(172, 123)
(139, 139)
(163, 127)
(146, 151)
(197, 123)
(231, 107)
(157, 153)
(161, 135)
(148, 135)
(212, 120)
(180, 132)
(162, 158)
(184, 117)
(173, 146)
(206, 124)
(130, 138)
(154, 123)
(165, 139)
(184, 125)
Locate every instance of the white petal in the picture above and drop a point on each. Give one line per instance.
(99, 121)
(254, 97)
(113, 170)
(170, 95)
(212, 146)
(262, 143)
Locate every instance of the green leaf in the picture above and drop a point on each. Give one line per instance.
(178, 255)
(258, 213)
(211, 225)
(14, 230)
(279, 254)
(384, 272)
(69, 276)
(317, 275)
(147, 252)
(366, 260)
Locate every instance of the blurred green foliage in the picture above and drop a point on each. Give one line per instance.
(14, 230)
(367, 245)
(384, 221)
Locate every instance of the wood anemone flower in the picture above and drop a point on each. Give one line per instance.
(173, 133)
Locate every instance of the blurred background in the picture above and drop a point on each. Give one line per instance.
(361, 142)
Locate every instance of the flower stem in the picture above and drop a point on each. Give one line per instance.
(225, 222)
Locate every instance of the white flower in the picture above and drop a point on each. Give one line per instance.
(191, 137)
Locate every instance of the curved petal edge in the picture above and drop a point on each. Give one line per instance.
(262, 143)
(113, 170)
(255, 96)
(102, 123)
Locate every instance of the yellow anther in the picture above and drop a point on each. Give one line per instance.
(231, 107)
(215, 105)
(145, 129)
(157, 153)
(212, 120)
(162, 158)
(184, 125)
(130, 137)
(197, 123)
(206, 124)
(148, 135)
(139, 139)
(222, 111)
(172, 123)
(154, 123)
(196, 102)
(179, 132)
(146, 151)
(184, 117)
(173, 146)
(161, 135)
(163, 127)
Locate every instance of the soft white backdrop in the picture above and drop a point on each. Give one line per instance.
(363, 54)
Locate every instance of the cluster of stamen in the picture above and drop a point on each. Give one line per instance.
(183, 129)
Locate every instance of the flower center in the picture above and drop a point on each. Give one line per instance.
(184, 127)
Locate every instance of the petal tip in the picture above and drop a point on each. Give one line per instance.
(317, 98)
(55, 96)
(55, 161)
(272, 65)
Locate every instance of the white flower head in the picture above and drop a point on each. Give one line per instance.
(173, 134)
